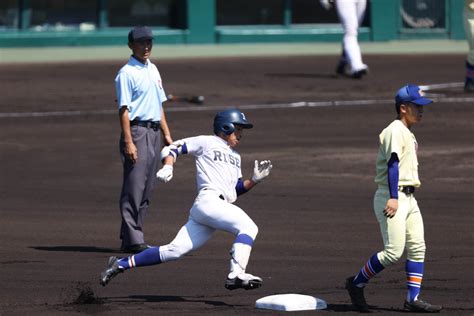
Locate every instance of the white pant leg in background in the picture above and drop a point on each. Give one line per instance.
(468, 19)
(351, 14)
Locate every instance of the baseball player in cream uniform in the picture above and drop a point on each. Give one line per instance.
(219, 182)
(395, 206)
(351, 14)
(468, 17)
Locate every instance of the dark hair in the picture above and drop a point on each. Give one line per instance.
(397, 107)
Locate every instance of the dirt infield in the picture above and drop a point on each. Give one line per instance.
(61, 175)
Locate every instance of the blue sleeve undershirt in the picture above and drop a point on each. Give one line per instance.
(393, 176)
(239, 187)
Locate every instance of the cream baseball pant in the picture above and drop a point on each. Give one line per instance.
(405, 229)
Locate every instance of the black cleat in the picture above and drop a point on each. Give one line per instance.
(244, 281)
(359, 73)
(469, 86)
(112, 270)
(341, 68)
(134, 248)
(420, 306)
(357, 296)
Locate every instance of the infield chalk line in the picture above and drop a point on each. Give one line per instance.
(442, 85)
(242, 107)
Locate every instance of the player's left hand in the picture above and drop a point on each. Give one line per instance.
(261, 170)
(165, 174)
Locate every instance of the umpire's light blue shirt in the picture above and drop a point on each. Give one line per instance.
(140, 89)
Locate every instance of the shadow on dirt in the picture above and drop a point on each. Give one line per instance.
(169, 298)
(76, 249)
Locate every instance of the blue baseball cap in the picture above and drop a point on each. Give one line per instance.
(413, 94)
(140, 33)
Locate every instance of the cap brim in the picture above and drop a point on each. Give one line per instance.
(422, 101)
(141, 39)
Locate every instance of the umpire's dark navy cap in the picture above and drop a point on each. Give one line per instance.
(140, 33)
(413, 94)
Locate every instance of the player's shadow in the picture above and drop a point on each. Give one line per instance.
(169, 298)
(76, 249)
(303, 75)
(349, 308)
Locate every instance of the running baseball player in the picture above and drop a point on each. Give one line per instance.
(219, 182)
(395, 205)
(351, 14)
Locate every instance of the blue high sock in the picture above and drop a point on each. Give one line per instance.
(368, 271)
(414, 272)
(148, 257)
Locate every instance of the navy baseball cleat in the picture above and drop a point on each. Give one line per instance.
(420, 306)
(357, 296)
(112, 270)
(244, 281)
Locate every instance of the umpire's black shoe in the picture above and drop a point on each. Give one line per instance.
(134, 248)
(244, 281)
(111, 271)
(357, 296)
(420, 306)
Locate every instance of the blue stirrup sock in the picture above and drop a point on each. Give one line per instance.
(414, 272)
(148, 257)
(368, 271)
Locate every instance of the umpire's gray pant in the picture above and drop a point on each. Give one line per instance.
(138, 183)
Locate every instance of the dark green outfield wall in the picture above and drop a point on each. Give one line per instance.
(384, 22)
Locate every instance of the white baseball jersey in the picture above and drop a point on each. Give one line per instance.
(397, 138)
(139, 87)
(218, 165)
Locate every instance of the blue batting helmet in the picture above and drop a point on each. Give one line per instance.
(225, 121)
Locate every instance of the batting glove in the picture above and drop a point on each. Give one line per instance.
(165, 174)
(326, 4)
(261, 170)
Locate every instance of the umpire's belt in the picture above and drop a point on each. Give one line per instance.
(148, 124)
(409, 189)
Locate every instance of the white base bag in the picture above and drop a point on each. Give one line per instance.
(290, 302)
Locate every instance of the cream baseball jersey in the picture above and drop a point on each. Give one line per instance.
(397, 138)
(218, 165)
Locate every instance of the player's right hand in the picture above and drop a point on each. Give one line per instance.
(326, 4)
(391, 208)
(165, 174)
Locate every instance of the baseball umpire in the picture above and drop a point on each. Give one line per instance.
(395, 205)
(140, 95)
(219, 182)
